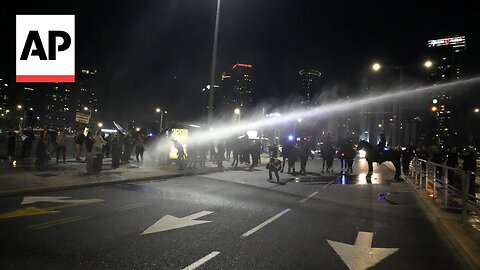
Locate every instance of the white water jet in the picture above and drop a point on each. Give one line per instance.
(220, 130)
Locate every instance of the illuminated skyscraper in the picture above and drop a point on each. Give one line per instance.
(447, 55)
(309, 84)
(242, 95)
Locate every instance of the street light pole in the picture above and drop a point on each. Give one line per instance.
(214, 60)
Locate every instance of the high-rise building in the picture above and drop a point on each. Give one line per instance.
(64, 100)
(309, 84)
(447, 57)
(242, 95)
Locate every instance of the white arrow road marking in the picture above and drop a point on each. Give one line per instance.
(34, 199)
(361, 255)
(168, 222)
(201, 261)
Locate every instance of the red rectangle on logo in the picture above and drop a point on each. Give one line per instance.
(45, 78)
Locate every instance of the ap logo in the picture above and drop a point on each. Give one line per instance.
(45, 49)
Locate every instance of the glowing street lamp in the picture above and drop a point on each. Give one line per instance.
(158, 110)
(237, 112)
(19, 106)
(100, 124)
(477, 110)
(85, 108)
(376, 67)
(428, 64)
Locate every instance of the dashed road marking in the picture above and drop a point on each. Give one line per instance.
(266, 222)
(132, 206)
(309, 196)
(331, 182)
(201, 261)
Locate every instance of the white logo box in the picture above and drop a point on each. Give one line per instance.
(33, 69)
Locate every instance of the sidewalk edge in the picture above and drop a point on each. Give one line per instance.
(453, 232)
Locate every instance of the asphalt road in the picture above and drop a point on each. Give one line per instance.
(308, 222)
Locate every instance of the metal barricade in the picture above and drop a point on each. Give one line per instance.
(448, 187)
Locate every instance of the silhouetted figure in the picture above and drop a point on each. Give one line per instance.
(305, 151)
(61, 145)
(139, 148)
(11, 142)
(180, 154)
(328, 154)
(452, 161)
(220, 154)
(407, 155)
(274, 165)
(470, 164)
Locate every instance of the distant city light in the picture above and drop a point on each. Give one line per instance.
(376, 67)
(137, 129)
(434, 101)
(19, 106)
(100, 124)
(477, 110)
(428, 64)
(434, 108)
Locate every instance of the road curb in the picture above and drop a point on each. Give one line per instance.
(29, 191)
(452, 231)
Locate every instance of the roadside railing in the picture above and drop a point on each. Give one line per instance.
(450, 188)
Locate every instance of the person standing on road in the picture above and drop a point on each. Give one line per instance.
(180, 154)
(61, 145)
(78, 139)
(139, 148)
(220, 154)
(98, 142)
(304, 153)
(11, 143)
(89, 143)
(470, 165)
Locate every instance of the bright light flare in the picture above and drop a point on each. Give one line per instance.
(376, 67)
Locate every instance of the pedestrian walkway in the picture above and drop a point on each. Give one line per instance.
(22, 177)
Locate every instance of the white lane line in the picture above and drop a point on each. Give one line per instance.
(266, 222)
(309, 196)
(132, 206)
(201, 261)
(331, 182)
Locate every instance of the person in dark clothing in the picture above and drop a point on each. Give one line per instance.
(452, 161)
(139, 148)
(381, 145)
(407, 155)
(292, 158)
(78, 139)
(11, 142)
(255, 151)
(273, 150)
(180, 154)
(274, 166)
(236, 151)
(304, 153)
(470, 165)
(41, 153)
(220, 154)
(89, 143)
(328, 153)
(286, 152)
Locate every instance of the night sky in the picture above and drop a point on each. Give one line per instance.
(158, 53)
